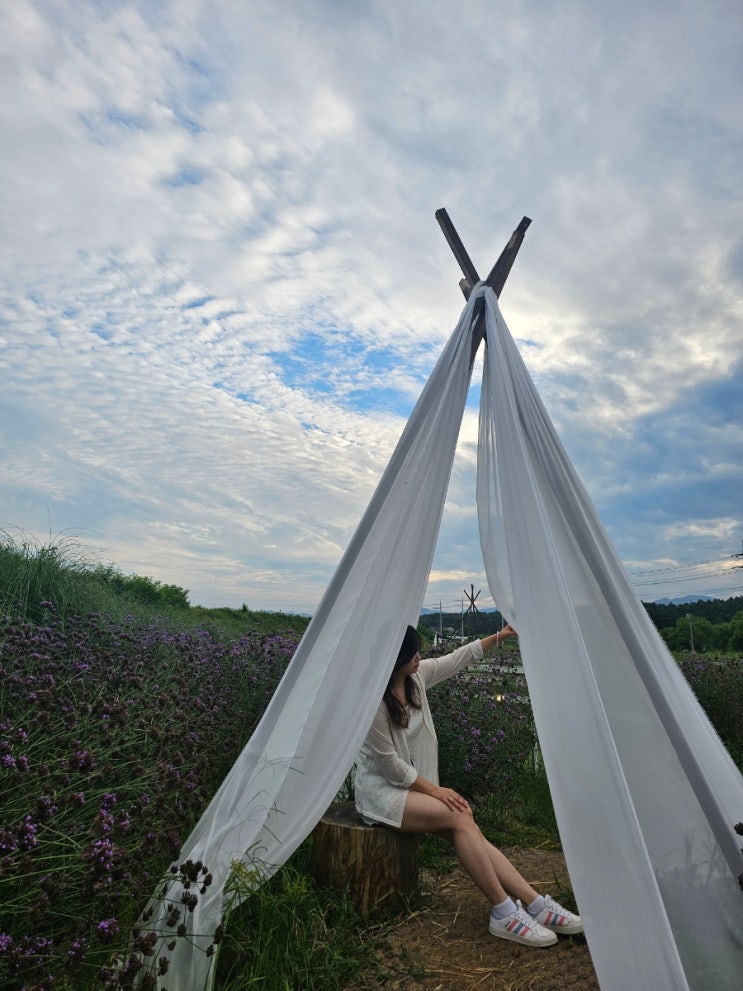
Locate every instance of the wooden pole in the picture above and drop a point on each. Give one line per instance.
(496, 277)
(459, 251)
(499, 272)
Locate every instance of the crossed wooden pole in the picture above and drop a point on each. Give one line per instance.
(499, 272)
(496, 280)
(496, 277)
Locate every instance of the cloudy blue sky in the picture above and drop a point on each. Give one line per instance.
(222, 286)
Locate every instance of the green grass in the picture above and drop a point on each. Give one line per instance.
(290, 934)
(63, 578)
(60, 573)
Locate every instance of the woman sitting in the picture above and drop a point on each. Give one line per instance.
(397, 784)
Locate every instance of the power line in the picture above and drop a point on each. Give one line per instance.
(686, 578)
(680, 567)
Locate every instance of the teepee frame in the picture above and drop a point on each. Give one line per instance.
(499, 272)
(496, 277)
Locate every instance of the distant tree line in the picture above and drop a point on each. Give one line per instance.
(713, 610)
(715, 624)
(474, 624)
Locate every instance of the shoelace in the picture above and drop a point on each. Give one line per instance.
(523, 916)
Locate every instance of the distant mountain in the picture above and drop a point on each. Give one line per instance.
(684, 600)
(449, 612)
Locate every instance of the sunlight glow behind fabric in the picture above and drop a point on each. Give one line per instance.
(645, 794)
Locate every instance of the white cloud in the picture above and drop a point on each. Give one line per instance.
(222, 286)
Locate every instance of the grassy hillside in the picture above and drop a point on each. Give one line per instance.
(63, 579)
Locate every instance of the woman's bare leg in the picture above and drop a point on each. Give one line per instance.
(509, 877)
(493, 874)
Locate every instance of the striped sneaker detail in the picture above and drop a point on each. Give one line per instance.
(521, 928)
(558, 920)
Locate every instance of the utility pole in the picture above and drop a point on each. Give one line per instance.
(737, 567)
(691, 632)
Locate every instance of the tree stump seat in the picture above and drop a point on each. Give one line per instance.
(379, 866)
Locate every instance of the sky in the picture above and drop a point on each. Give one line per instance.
(223, 287)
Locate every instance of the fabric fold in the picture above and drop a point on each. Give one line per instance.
(300, 753)
(644, 791)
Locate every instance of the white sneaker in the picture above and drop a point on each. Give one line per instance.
(521, 928)
(557, 919)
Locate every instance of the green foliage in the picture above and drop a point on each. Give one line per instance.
(665, 615)
(146, 591)
(717, 681)
(700, 635)
(62, 579)
(33, 577)
(235, 622)
(735, 630)
(476, 625)
(289, 934)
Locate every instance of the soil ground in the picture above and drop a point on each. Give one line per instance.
(444, 945)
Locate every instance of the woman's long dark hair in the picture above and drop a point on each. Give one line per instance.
(411, 645)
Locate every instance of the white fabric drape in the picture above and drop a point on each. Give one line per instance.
(645, 794)
(292, 767)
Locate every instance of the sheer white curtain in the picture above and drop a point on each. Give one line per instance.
(297, 759)
(645, 794)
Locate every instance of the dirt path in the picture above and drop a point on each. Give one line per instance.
(446, 945)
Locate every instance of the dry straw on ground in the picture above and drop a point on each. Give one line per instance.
(444, 945)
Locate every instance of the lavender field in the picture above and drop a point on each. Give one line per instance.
(113, 738)
(114, 735)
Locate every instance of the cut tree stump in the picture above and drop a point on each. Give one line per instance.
(379, 866)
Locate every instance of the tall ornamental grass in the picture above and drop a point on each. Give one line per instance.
(64, 572)
(32, 573)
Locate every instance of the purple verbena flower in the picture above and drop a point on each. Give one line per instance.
(107, 929)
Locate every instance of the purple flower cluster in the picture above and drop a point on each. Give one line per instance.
(113, 738)
(486, 732)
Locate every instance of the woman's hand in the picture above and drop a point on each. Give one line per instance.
(496, 638)
(447, 796)
(451, 799)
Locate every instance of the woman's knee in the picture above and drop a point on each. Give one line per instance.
(465, 822)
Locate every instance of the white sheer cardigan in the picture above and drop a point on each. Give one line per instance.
(392, 757)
